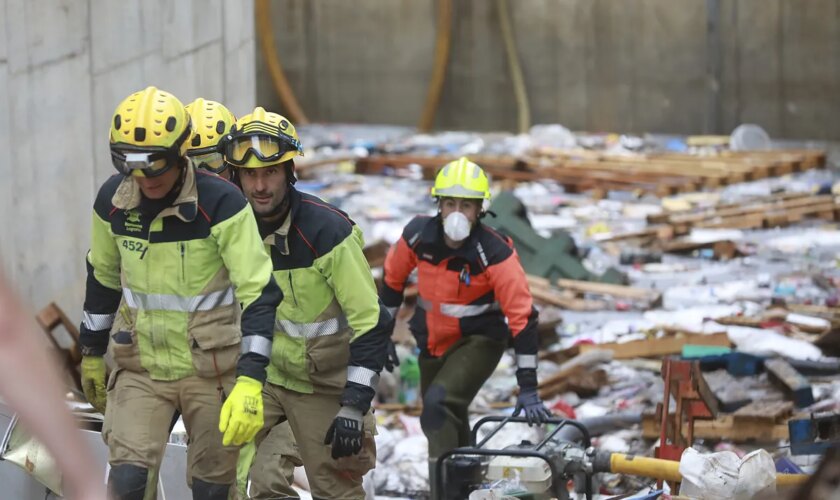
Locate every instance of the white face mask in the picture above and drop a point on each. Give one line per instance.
(456, 226)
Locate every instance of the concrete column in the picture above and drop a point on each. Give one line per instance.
(64, 66)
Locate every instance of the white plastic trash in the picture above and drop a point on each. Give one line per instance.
(723, 476)
(749, 137)
(553, 136)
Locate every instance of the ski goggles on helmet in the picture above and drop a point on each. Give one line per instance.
(240, 147)
(147, 161)
(143, 162)
(209, 159)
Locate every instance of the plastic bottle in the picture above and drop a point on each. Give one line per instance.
(409, 380)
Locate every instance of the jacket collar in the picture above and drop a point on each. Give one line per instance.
(280, 237)
(185, 206)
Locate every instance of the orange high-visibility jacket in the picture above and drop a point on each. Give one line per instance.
(477, 289)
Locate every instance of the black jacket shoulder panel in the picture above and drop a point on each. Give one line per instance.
(322, 225)
(218, 198)
(415, 228)
(102, 205)
(496, 247)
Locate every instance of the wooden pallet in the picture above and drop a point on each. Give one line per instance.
(632, 167)
(725, 427)
(658, 347)
(662, 174)
(724, 168)
(763, 213)
(49, 319)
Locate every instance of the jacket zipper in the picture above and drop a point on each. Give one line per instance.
(292, 286)
(183, 264)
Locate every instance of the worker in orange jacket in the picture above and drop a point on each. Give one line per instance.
(473, 297)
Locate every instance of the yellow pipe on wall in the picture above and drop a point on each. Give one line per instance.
(443, 42)
(669, 470)
(520, 92)
(265, 33)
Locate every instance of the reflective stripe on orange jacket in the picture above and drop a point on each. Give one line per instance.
(477, 289)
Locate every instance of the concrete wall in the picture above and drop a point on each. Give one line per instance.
(64, 66)
(688, 66)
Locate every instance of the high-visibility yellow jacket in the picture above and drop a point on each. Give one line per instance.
(165, 292)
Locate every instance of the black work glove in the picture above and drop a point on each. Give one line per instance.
(535, 411)
(346, 432)
(392, 360)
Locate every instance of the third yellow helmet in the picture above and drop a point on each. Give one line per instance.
(462, 179)
(261, 139)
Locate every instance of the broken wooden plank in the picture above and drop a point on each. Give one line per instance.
(746, 221)
(721, 249)
(826, 312)
(766, 411)
(723, 428)
(557, 382)
(629, 177)
(658, 347)
(752, 169)
(729, 394)
(50, 318)
(659, 231)
(782, 203)
(538, 281)
(748, 321)
(407, 409)
(579, 379)
(590, 358)
(651, 167)
(703, 390)
(585, 384)
(794, 385)
(556, 298)
(683, 245)
(623, 291)
(580, 180)
(829, 342)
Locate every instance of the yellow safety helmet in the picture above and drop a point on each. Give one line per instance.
(211, 121)
(149, 132)
(261, 139)
(462, 179)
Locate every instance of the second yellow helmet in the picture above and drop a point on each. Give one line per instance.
(211, 122)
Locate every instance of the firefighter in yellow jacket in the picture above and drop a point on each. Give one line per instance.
(211, 122)
(175, 259)
(330, 336)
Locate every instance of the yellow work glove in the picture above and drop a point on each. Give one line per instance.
(242, 413)
(93, 381)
